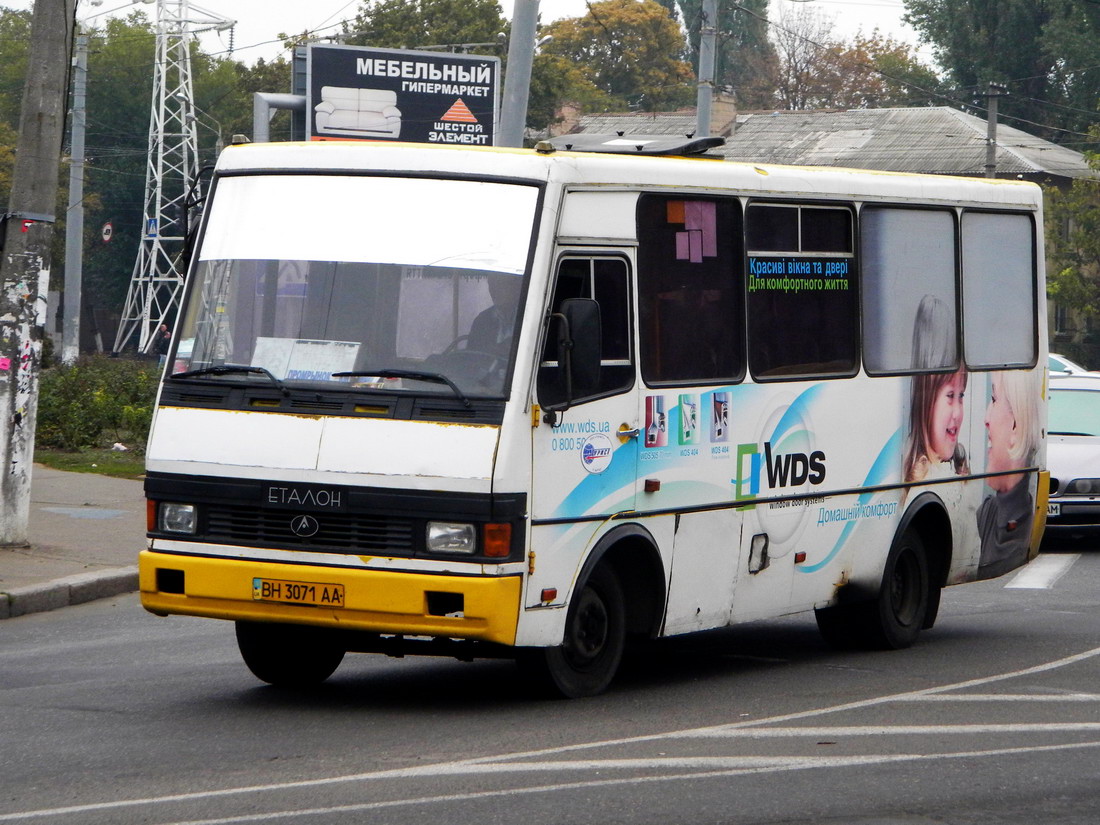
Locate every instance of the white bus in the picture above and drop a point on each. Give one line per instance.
(529, 403)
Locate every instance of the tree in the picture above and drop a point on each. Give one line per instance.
(15, 28)
(819, 71)
(1073, 252)
(8, 137)
(1043, 50)
(745, 59)
(555, 81)
(630, 51)
(15, 33)
(875, 72)
(224, 90)
(803, 42)
(902, 79)
(417, 24)
(120, 91)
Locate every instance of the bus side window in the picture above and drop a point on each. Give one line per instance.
(998, 276)
(690, 305)
(803, 296)
(606, 280)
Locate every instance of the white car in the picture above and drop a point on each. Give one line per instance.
(1060, 365)
(1073, 455)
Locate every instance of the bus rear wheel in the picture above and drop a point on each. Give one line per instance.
(595, 636)
(289, 656)
(894, 618)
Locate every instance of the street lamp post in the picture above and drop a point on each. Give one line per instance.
(74, 222)
(219, 144)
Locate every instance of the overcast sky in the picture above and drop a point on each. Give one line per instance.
(259, 22)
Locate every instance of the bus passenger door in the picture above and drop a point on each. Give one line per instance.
(584, 470)
(691, 358)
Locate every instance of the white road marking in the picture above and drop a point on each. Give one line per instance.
(491, 763)
(1042, 573)
(895, 730)
(1008, 697)
(778, 765)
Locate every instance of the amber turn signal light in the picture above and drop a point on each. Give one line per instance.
(498, 540)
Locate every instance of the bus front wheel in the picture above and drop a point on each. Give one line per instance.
(894, 618)
(290, 656)
(595, 635)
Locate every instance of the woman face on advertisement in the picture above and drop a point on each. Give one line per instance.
(947, 416)
(1000, 425)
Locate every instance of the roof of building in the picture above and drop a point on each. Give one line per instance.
(934, 140)
(643, 123)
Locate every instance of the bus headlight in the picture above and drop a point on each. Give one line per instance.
(451, 537)
(178, 518)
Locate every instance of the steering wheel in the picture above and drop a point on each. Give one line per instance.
(453, 346)
(465, 366)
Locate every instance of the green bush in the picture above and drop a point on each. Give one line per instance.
(95, 402)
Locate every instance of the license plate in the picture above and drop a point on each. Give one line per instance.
(291, 592)
(1054, 508)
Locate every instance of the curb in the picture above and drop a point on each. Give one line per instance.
(85, 587)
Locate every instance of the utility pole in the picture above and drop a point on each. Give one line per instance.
(708, 36)
(25, 261)
(517, 83)
(996, 90)
(74, 220)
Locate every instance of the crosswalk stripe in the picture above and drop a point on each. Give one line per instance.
(1042, 573)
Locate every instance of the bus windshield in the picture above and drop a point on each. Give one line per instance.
(405, 284)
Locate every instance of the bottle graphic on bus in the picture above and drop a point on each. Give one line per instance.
(720, 416)
(656, 421)
(689, 419)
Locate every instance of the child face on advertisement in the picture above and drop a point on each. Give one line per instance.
(946, 417)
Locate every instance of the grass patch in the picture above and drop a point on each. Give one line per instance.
(86, 407)
(129, 464)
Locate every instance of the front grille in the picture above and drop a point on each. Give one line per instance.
(263, 398)
(338, 532)
(1077, 515)
(316, 405)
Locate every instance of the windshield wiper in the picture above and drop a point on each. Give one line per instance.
(1059, 432)
(417, 374)
(233, 369)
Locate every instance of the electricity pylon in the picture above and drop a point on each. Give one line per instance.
(171, 171)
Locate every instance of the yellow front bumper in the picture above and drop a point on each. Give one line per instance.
(1039, 523)
(379, 601)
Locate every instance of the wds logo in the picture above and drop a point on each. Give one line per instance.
(784, 465)
(781, 469)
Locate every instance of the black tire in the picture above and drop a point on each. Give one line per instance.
(893, 619)
(838, 625)
(903, 599)
(290, 656)
(935, 594)
(595, 636)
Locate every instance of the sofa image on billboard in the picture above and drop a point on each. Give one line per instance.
(357, 112)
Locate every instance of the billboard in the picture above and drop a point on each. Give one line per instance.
(363, 93)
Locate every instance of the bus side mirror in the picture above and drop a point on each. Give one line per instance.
(582, 316)
(579, 351)
(190, 214)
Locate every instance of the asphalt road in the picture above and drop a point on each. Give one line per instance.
(111, 715)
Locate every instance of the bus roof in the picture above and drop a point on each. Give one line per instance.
(627, 171)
